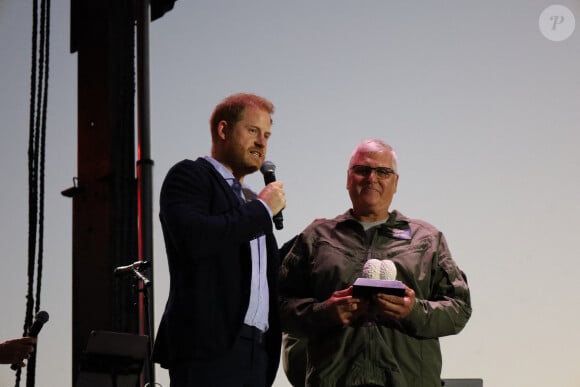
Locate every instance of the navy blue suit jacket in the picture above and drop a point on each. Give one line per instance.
(207, 233)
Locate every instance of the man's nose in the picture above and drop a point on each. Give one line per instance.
(372, 176)
(261, 140)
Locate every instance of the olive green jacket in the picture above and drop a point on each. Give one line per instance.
(328, 256)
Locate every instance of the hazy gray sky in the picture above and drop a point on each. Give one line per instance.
(482, 108)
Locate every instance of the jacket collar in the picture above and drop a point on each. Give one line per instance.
(396, 226)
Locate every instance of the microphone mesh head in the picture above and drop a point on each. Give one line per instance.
(372, 269)
(42, 316)
(388, 270)
(267, 167)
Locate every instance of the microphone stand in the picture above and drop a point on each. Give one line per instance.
(144, 288)
(146, 282)
(148, 374)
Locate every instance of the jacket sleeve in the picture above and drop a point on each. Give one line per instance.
(302, 315)
(447, 308)
(198, 212)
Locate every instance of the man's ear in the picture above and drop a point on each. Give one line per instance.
(222, 129)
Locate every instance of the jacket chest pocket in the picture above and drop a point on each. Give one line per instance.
(414, 262)
(334, 266)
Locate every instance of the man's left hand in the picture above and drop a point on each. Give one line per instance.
(395, 307)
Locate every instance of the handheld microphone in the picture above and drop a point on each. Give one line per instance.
(268, 168)
(137, 265)
(39, 320)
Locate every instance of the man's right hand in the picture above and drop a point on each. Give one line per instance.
(16, 351)
(345, 308)
(274, 196)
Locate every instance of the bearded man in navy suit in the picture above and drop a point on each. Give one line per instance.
(221, 325)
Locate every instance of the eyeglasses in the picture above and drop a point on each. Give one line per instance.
(381, 173)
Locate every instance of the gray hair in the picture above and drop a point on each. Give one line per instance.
(374, 145)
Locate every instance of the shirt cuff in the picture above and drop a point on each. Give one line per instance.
(266, 207)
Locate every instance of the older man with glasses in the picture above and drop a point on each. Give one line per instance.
(381, 339)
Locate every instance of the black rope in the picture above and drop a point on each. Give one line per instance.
(36, 167)
(44, 54)
(31, 178)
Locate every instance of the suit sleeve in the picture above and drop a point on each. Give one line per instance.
(199, 212)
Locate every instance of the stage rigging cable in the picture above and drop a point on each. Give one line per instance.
(36, 164)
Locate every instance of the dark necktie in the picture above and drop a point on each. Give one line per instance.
(237, 187)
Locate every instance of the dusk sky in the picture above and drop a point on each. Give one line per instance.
(481, 101)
